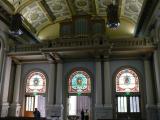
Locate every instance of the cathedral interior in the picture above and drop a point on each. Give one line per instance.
(63, 57)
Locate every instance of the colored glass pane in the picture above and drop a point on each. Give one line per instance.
(127, 81)
(36, 83)
(79, 82)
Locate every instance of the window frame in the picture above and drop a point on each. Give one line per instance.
(27, 78)
(115, 94)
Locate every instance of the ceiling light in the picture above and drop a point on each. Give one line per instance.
(16, 24)
(112, 16)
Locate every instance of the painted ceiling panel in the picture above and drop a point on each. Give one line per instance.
(82, 6)
(102, 6)
(34, 14)
(14, 2)
(59, 8)
(40, 14)
(131, 9)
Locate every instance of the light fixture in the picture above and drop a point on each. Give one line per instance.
(112, 16)
(16, 24)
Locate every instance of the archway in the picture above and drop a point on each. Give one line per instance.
(34, 93)
(79, 93)
(127, 94)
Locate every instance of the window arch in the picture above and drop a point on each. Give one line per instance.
(79, 82)
(36, 82)
(127, 81)
(127, 93)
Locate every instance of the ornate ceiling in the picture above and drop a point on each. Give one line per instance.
(42, 17)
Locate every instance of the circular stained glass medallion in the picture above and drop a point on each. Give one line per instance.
(79, 82)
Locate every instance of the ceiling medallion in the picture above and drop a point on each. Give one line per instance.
(112, 16)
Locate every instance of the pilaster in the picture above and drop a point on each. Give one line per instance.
(4, 109)
(150, 107)
(15, 106)
(98, 84)
(157, 74)
(99, 111)
(58, 106)
(51, 90)
(107, 91)
(5, 91)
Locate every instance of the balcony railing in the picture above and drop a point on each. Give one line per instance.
(85, 43)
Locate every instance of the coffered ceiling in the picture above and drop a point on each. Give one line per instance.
(42, 17)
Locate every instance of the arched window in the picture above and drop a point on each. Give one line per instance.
(127, 91)
(36, 83)
(79, 82)
(35, 89)
(127, 81)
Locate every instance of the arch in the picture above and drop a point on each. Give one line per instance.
(122, 68)
(34, 92)
(128, 97)
(79, 80)
(89, 95)
(127, 81)
(36, 82)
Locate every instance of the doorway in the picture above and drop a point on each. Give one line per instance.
(128, 107)
(32, 102)
(76, 104)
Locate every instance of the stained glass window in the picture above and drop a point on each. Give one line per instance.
(36, 83)
(127, 81)
(79, 82)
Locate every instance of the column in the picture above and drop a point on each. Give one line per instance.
(58, 103)
(157, 74)
(150, 107)
(51, 84)
(51, 92)
(15, 106)
(98, 82)
(99, 112)
(149, 82)
(2, 62)
(1, 54)
(107, 83)
(5, 104)
(59, 84)
(107, 90)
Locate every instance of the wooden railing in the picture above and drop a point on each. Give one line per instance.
(85, 43)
